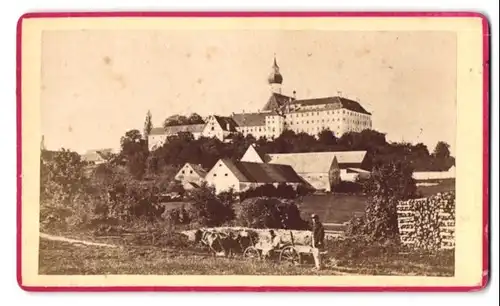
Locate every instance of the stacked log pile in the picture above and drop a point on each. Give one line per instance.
(428, 223)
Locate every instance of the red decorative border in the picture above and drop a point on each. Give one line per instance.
(486, 137)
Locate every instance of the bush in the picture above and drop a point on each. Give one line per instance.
(283, 191)
(264, 212)
(207, 209)
(348, 187)
(303, 190)
(177, 216)
(358, 249)
(388, 184)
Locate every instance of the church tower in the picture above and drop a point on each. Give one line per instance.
(42, 143)
(275, 79)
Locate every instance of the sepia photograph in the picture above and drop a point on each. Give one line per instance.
(271, 148)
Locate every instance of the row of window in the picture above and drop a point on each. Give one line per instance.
(323, 112)
(256, 129)
(314, 129)
(225, 174)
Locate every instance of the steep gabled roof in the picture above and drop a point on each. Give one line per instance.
(157, 131)
(250, 119)
(350, 157)
(198, 169)
(96, 155)
(262, 173)
(316, 162)
(252, 148)
(276, 101)
(333, 102)
(226, 123)
(191, 128)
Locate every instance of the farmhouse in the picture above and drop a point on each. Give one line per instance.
(219, 127)
(351, 164)
(241, 176)
(191, 176)
(97, 157)
(321, 170)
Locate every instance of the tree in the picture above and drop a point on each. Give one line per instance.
(207, 209)
(148, 125)
(194, 118)
(388, 184)
(442, 150)
(265, 212)
(327, 138)
(63, 189)
(62, 175)
(134, 151)
(173, 120)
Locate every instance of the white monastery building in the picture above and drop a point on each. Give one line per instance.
(281, 112)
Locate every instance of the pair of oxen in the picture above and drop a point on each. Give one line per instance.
(225, 243)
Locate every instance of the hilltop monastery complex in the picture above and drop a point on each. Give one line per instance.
(281, 112)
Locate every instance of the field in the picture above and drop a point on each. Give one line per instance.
(139, 254)
(340, 208)
(431, 187)
(75, 259)
(332, 208)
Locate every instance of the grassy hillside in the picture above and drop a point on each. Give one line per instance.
(431, 187)
(149, 260)
(332, 208)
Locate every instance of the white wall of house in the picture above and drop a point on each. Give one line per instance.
(222, 178)
(348, 176)
(196, 135)
(213, 129)
(434, 175)
(187, 174)
(314, 119)
(251, 156)
(274, 126)
(318, 180)
(156, 141)
(255, 131)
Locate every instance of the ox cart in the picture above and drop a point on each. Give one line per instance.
(288, 252)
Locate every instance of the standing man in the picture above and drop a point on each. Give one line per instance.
(318, 237)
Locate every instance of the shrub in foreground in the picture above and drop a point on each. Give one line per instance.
(264, 212)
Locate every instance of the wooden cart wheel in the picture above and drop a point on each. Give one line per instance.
(252, 253)
(290, 255)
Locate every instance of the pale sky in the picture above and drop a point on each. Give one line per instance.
(96, 85)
